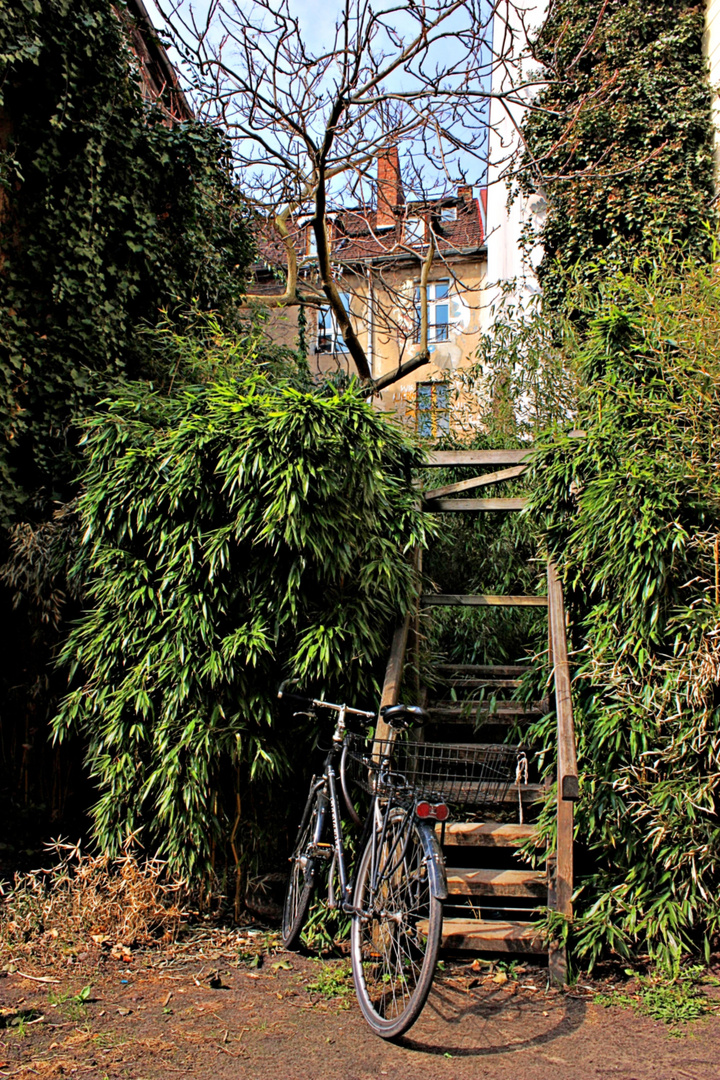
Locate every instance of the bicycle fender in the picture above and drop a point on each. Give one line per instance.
(433, 860)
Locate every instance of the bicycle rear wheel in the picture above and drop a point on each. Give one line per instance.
(396, 937)
(303, 870)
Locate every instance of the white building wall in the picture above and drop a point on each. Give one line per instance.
(506, 220)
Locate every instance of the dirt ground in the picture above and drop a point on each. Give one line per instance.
(213, 1013)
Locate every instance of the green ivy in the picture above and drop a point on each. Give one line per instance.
(111, 213)
(108, 214)
(622, 137)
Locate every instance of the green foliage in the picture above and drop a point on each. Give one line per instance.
(333, 980)
(110, 213)
(622, 138)
(631, 513)
(232, 532)
(672, 1001)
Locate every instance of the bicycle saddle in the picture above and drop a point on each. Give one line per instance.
(402, 716)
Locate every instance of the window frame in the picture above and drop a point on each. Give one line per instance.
(436, 414)
(433, 303)
(332, 333)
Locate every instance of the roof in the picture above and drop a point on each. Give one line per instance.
(356, 237)
(160, 81)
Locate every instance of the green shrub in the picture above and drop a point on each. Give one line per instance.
(233, 533)
(631, 515)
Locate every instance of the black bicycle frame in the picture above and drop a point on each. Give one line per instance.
(327, 785)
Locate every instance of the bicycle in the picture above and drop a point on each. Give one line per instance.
(395, 898)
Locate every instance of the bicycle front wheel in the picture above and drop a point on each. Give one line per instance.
(304, 865)
(397, 927)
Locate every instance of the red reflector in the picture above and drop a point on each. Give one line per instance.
(423, 809)
(442, 812)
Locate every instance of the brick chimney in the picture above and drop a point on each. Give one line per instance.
(465, 192)
(389, 187)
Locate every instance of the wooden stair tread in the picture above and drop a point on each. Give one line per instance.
(503, 708)
(468, 682)
(443, 458)
(487, 834)
(485, 669)
(455, 506)
(481, 600)
(486, 792)
(473, 882)
(490, 935)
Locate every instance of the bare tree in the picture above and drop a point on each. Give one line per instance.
(406, 83)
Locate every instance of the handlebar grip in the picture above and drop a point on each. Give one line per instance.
(295, 699)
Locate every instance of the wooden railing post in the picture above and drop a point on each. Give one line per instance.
(561, 883)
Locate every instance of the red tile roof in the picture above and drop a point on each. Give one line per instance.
(355, 236)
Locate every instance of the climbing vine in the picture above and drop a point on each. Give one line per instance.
(110, 212)
(621, 142)
(113, 219)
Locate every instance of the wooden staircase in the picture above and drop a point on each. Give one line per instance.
(493, 893)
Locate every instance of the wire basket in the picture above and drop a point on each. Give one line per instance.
(471, 775)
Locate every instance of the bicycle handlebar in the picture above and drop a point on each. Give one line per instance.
(314, 703)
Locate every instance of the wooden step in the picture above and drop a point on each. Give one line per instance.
(489, 935)
(469, 882)
(495, 834)
(443, 458)
(481, 600)
(490, 670)
(466, 682)
(456, 506)
(473, 708)
(485, 793)
(471, 704)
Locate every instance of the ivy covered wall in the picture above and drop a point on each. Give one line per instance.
(108, 214)
(622, 139)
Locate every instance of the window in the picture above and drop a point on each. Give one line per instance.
(432, 414)
(415, 230)
(448, 213)
(329, 335)
(438, 312)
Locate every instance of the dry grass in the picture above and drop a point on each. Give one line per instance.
(87, 901)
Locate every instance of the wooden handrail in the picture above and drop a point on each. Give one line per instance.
(560, 866)
(393, 675)
(568, 787)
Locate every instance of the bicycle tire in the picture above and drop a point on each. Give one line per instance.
(301, 882)
(396, 931)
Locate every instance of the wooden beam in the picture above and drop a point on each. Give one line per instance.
(443, 458)
(476, 482)
(567, 759)
(480, 600)
(561, 866)
(443, 506)
(393, 676)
